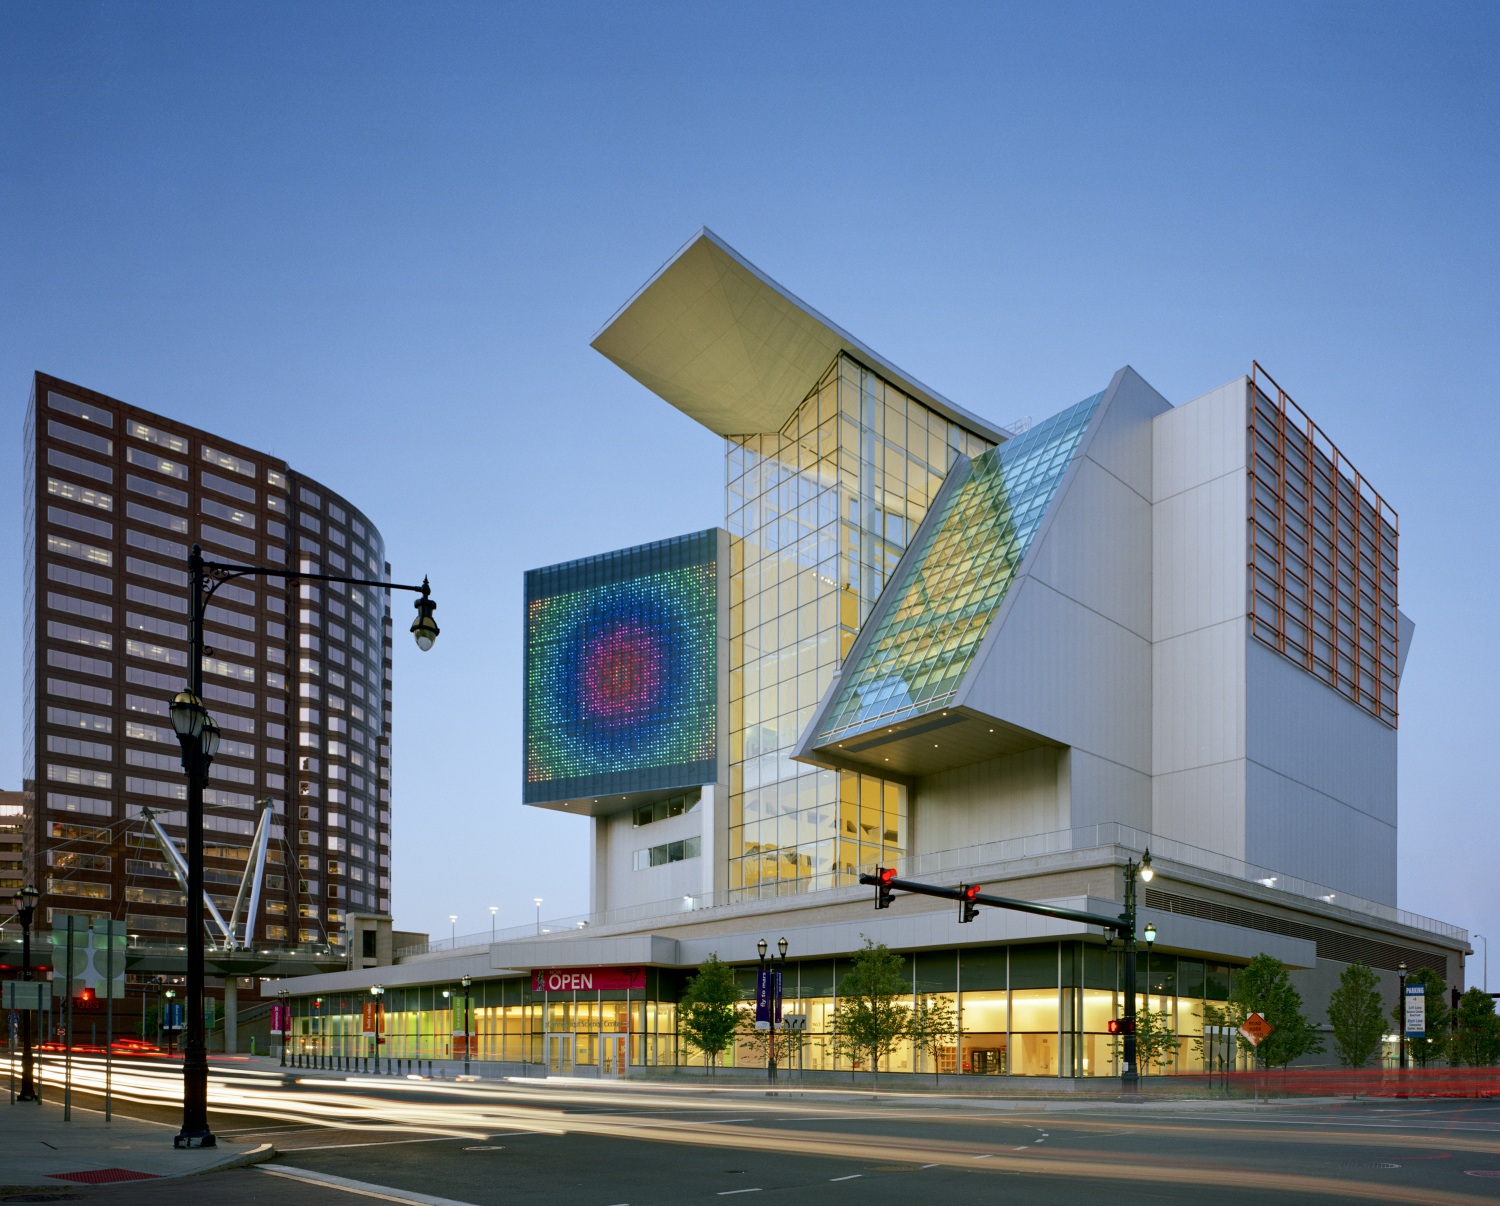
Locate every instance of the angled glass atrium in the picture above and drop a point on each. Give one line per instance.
(941, 608)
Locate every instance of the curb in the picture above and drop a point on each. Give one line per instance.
(258, 1155)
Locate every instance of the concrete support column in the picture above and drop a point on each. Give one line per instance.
(231, 1014)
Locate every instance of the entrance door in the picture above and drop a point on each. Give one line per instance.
(613, 1056)
(559, 1054)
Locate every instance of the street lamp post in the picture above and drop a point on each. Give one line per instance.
(286, 1022)
(377, 991)
(537, 900)
(26, 899)
(493, 910)
(1129, 1072)
(1486, 942)
(453, 930)
(468, 1023)
(773, 998)
(199, 736)
(1401, 1013)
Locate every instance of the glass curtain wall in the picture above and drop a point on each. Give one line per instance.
(508, 1021)
(820, 512)
(1035, 1010)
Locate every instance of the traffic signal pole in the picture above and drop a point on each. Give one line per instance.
(886, 884)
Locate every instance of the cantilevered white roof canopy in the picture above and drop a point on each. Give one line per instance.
(724, 343)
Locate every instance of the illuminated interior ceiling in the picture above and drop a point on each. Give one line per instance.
(725, 344)
(890, 709)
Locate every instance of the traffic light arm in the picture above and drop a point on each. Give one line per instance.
(1117, 924)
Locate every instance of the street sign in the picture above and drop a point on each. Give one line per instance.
(92, 962)
(1256, 1030)
(1416, 1011)
(26, 994)
(795, 1021)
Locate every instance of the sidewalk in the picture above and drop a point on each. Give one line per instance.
(39, 1148)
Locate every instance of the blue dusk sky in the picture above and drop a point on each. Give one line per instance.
(375, 239)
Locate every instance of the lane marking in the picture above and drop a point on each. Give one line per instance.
(333, 1147)
(850, 1177)
(932, 1166)
(728, 1193)
(362, 1188)
(986, 1156)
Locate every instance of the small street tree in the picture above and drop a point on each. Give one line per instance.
(1476, 1030)
(1357, 1015)
(1264, 987)
(1431, 1046)
(708, 1014)
(873, 1012)
(1155, 1040)
(932, 1024)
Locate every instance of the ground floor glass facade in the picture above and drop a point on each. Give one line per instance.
(1038, 1009)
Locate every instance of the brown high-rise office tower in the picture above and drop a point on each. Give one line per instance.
(298, 678)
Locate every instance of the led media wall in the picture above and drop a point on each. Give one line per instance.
(622, 670)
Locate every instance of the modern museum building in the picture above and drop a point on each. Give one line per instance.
(1018, 657)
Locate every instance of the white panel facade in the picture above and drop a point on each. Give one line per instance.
(1106, 791)
(1321, 782)
(1061, 669)
(1203, 806)
(988, 802)
(617, 884)
(1198, 659)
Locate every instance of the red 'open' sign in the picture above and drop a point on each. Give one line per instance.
(587, 979)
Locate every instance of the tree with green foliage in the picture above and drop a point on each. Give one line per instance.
(1429, 1048)
(1476, 1030)
(1357, 1015)
(873, 1013)
(1264, 987)
(932, 1023)
(708, 1015)
(1155, 1040)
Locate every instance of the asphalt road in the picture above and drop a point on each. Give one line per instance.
(590, 1144)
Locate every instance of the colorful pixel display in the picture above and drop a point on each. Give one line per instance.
(622, 678)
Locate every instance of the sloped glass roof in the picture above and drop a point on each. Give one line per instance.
(941, 606)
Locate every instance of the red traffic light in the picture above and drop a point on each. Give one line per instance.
(972, 890)
(1113, 1026)
(85, 995)
(1119, 1026)
(887, 874)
